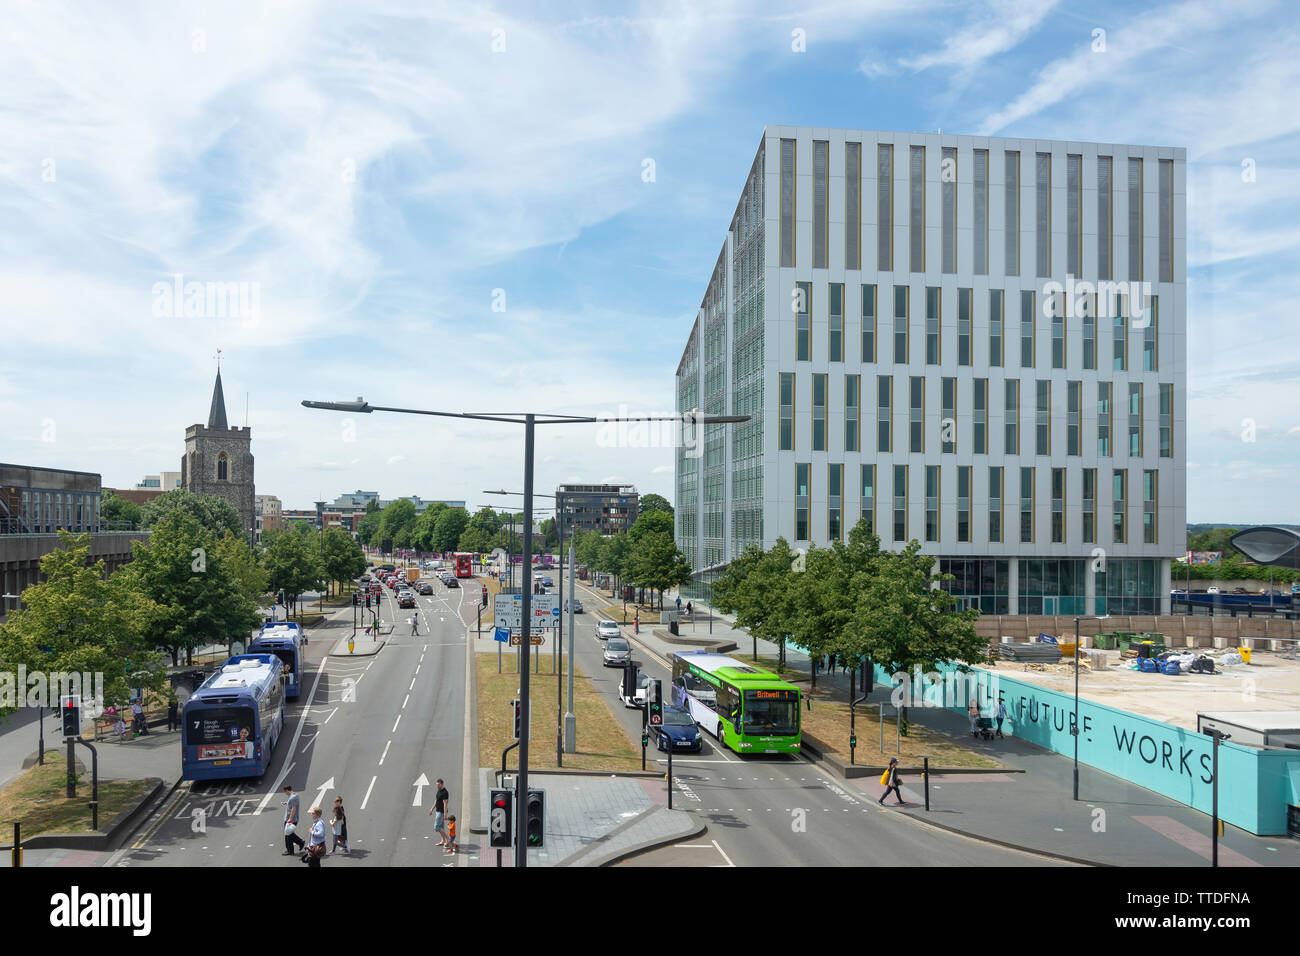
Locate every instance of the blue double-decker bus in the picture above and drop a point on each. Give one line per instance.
(284, 640)
(230, 725)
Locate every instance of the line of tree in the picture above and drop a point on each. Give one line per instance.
(644, 556)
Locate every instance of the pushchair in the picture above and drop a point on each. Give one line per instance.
(985, 727)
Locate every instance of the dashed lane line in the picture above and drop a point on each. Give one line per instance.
(385, 753)
(368, 789)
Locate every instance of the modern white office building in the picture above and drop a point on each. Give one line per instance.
(974, 342)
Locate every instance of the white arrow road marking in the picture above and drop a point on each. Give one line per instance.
(368, 789)
(327, 785)
(419, 790)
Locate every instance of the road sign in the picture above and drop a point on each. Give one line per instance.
(501, 634)
(555, 612)
(517, 640)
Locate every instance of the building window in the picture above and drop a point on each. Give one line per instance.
(803, 331)
(1105, 218)
(995, 504)
(1150, 346)
(1135, 218)
(948, 418)
(963, 326)
(884, 419)
(1043, 417)
(980, 194)
(932, 325)
(995, 327)
(1026, 505)
(852, 205)
(223, 467)
(1073, 413)
(1166, 420)
(868, 323)
(1166, 232)
(852, 411)
(902, 297)
(1104, 390)
(869, 497)
(1074, 214)
(1119, 327)
(787, 411)
(1011, 413)
(820, 150)
(1150, 506)
(834, 490)
(801, 496)
(980, 418)
(885, 208)
(787, 202)
(835, 334)
(948, 182)
(1058, 505)
(1089, 505)
(963, 503)
(916, 209)
(1027, 329)
(931, 502)
(1088, 317)
(1011, 220)
(916, 414)
(1135, 419)
(1119, 508)
(900, 502)
(1058, 329)
(1043, 213)
(819, 412)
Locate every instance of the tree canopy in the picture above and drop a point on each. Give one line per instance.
(211, 512)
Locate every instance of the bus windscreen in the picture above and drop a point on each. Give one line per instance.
(771, 712)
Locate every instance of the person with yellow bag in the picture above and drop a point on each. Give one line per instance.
(890, 780)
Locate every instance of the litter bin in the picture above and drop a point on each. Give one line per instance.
(1143, 649)
(1245, 654)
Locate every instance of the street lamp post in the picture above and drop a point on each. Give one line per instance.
(529, 420)
(1219, 736)
(1074, 726)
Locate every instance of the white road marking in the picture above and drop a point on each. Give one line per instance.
(307, 745)
(395, 723)
(293, 745)
(404, 703)
(385, 753)
(417, 672)
(723, 852)
(336, 710)
(367, 798)
(412, 687)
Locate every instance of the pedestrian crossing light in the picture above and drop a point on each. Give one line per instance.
(535, 818)
(71, 710)
(501, 820)
(654, 703)
(485, 595)
(518, 712)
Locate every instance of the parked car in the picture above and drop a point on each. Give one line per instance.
(1211, 590)
(678, 731)
(577, 606)
(607, 629)
(617, 652)
(638, 695)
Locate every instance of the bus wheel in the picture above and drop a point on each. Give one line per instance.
(718, 732)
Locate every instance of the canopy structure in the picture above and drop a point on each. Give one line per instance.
(1269, 545)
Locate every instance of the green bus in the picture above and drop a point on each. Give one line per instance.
(752, 711)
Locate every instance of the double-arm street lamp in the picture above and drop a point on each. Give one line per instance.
(1074, 729)
(530, 420)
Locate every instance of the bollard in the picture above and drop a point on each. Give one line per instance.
(16, 854)
(925, 773)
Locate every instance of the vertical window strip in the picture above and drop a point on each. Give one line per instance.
(1119, 506)
(900, 503)
(963, 325)
(819, 412)
(1105, 218)
(802, 495)
(948, 415)
(902, 297)
(820, 149)
(1011, 219)
(1026, 505)
(1104, 396)
(868, 323)
(1089, 506)
(980, 196)
(1166, 210)
(1135, 419)
(868, 503)
(834, 490)
(852, 205)
(931, 502)
(963, 503)
(803, 328)
(1058, 330)
(980, 418)
(884, 207)
(1043, 417)
(948, 182)
(787, 202)
(1150, 340)
(1043, 213)
(1011, 417)
(884, 413)
(916, 209)
(996, 315)
(787, 412)
(1074, 214)
(916, 414)
(1135, 218)
(1073, 413)
(932, 320)
(995, 504)
(835, 323)
(1166, 420)
(1088, 319)
(1150, 507)
(1058, 505)
(1027, 325)
(852, 412)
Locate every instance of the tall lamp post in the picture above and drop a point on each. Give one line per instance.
(1219, 737)
(1074, 726)
(530, 421)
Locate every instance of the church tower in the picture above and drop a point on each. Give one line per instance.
(218, 460)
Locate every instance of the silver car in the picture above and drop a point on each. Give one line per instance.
(617, 652)
(607, 629)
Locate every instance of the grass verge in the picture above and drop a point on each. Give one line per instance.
(602, 742)
(37, 799)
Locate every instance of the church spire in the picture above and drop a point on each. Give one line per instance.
(217, 413)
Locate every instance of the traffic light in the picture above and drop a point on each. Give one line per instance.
(654, 703)
(71, 711)
(501, 823)
(485, 595)
(367, 600)
(517, 708)
(535, 818)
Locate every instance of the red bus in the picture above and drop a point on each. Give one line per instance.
(462, 564)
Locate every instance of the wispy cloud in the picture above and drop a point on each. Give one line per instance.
(990, 31)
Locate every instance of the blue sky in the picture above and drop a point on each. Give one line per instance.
(380, 171)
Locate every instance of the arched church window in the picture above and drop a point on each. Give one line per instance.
(223, 467)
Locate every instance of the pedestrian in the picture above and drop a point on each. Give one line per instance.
(892, 782)
(438, 811)
(830, 663)
(1000, 714)
(173, 715)
(973, 711)
(119, 729)
(415, 625)
(451, 834)
(316, 848)
(291, 837)
(636, 623)
(337, 825)
(141, 722)
(679, 602)
(689, 611)
(338, 809)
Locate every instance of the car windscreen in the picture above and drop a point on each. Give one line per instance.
(678, 718)
(617, 644)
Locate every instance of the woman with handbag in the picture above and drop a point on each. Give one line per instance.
(316, 845)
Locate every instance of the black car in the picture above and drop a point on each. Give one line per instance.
(452, 583)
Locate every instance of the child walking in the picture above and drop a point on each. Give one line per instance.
(451, 834)
(340, 827)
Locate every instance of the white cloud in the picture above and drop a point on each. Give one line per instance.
(991, 32)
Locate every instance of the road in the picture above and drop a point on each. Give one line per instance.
(367, 729)
(779, 810)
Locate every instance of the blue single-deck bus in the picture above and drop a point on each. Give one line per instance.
(284, 640)
(232, 722)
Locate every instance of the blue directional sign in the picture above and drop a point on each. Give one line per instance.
(555, 612)
(501, 634)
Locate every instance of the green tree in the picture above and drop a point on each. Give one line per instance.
(78, 620)
(210, 511)
(341, 558)
(113, 508)
(650, 522)
(398, 517)
(244, 564)
(656, 563)
(200, 599)
(424, 536)
(651, 503)
(1215, 539)
(293, 564)
(451, 525)
(757, 588)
